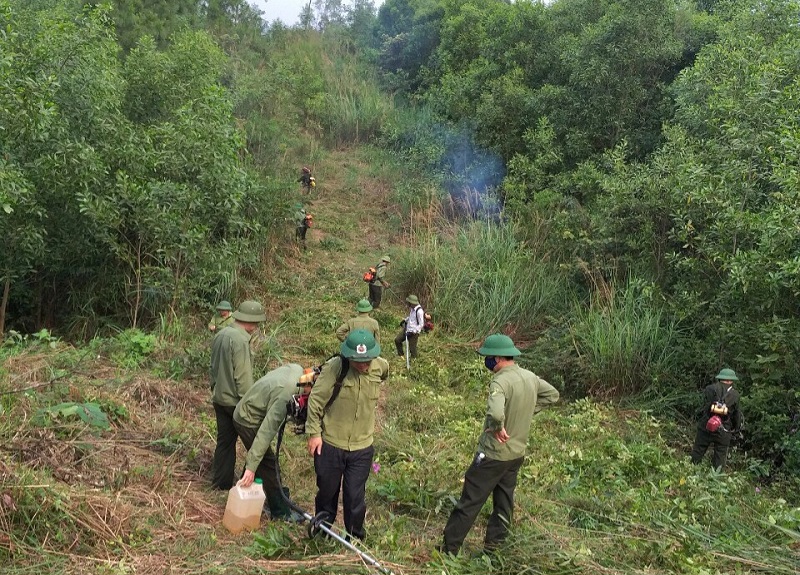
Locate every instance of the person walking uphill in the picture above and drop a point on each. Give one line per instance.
(304, 221)
(231, 378)
(361, 321)
(411, 327)
(379, 282)
(306, 180)
(341, 424)
(257, 419)
(718, 419)
(515, 395)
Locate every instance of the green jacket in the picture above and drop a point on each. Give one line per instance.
(218, 322)
(263, 408)
(231, 365)
(361, 321)
(515, 395)
(349, 423)
(380, 274)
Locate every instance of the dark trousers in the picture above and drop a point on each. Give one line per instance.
(222, 468)
(412, 343)
(375, 295)
(349, 470)
(720, 440)
(267, 472)
(498, 478)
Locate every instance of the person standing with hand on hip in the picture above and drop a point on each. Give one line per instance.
(515, 395)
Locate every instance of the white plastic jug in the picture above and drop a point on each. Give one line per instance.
(243, 510)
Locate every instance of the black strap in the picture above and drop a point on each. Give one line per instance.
(337, 386)
(724, 393)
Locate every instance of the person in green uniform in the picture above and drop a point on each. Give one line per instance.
(231, 378)
(361, 321)
(304, 221)
(306, 180)
(222, 317)
(257, 419)
(340, 427)
(722, 400)
(515, 395)
(379, 282)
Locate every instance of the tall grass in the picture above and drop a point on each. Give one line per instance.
(355, 112)
(623, 343)
(482, 280)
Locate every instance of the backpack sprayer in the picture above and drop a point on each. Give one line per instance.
(297, 413)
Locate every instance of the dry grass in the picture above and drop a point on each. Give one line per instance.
(134, 498)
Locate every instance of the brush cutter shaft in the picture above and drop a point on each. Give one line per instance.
(317, 523)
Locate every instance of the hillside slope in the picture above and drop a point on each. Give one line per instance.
(603, 490)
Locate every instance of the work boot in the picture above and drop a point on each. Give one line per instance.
(278, 507)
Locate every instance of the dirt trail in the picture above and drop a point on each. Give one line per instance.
(355, 223)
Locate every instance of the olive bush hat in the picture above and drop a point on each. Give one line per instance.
(386, 259)
(360, 346)
(224, 305)
(364, 306)
(412, 299)
(499, 345)
(250, 311)
(727, 375)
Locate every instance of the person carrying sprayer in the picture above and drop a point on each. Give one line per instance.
(718, 419)
(304, 221)
(378, 282)
(258, 418)
(411, 327)
(340, 426)
(306, 180)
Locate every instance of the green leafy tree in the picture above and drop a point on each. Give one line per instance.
(713, 216)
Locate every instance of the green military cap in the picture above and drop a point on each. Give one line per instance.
(363, 306)
(412, 299)
(499, 345)
(360, 346)
(727, 374)
(250, 311)
(386, 259)
(224, 305)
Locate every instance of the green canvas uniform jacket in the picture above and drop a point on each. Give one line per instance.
(515, 395)
(349, 423)
(218, 322)
(263, 408)
(380, 274)
(361, 321)
(231, 365)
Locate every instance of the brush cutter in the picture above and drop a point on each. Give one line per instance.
(319, 522)
(394, 293)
